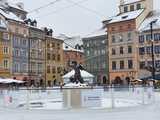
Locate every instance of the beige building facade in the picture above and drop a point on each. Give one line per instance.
(123, 40)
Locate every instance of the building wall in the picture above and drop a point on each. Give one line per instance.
(145, 57)
(36, 56)
(96, 57)
(123, 45)
(5, 53)
(19, 47)
(54, 61)
(121, 32)
(70, 57)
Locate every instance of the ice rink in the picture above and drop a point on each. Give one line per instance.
(142, 112)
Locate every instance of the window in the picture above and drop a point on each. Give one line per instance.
(53, 70)
(129, 49)
(5, 36)
(24, 42)
(53, 45)
(24, 53)
(16, 30)
(130, 64)
(157, 49)
(157, 37)
(148, 49)
(113, 51)
(53, 57)
(16, 67)
(48, 56)
(148, 37)
(113, 28)
(113, 39)
(120, 38)
(6, 64)
(17, 53)
(132, 8)
(157, 64)
(126, 9)
(129, 36)
(24, 68)
(58, 45)
(129, 26)
(138, 6)
(142, 65)
(121, 64)
(59, 70)
(120, 28)
(141, 51)
(58, 57)
(40, 67)
(48, 69)
(5, 50)
(121, 50)
(114, 65)
(141, 39)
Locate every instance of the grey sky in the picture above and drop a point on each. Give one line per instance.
(74, 20)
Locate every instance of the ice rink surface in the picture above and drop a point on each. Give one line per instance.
(150, 112)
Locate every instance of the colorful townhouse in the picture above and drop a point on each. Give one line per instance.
(122, 32)
(5, 47)
(54, 59)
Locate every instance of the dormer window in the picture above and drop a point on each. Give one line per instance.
(138, 6)
(124, 17)
(132, 8)
(126, 9)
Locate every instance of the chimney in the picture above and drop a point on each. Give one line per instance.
(121, 2)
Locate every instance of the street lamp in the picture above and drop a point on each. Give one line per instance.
(152, 48)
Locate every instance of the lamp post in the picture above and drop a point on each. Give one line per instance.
(152, 48)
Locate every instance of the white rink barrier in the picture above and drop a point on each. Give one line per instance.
(59, 99)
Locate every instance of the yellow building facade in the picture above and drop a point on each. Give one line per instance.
(5, 54)
(54, 61)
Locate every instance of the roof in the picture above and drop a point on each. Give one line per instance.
(67, 47)
(10, 15)
(126, 16)
(131, 1)
(100, 32)
(84, 74)
(154, 15)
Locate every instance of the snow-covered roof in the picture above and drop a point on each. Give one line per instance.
(10, 15)
(72, 41)
(84, 74)
(155, 15)
(131, 1)
(97, 33)
(67, 47)
(126, 16)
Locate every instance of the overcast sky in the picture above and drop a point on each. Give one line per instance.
(69, 19)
